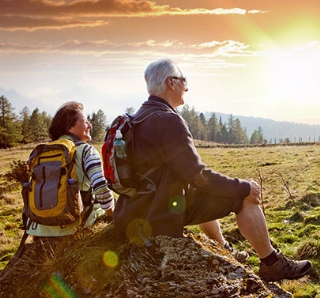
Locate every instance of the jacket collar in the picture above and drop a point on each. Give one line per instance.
(70, 137)
(159, 101)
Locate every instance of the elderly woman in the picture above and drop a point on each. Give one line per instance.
(70, 123)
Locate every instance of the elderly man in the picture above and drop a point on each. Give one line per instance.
(188, 193)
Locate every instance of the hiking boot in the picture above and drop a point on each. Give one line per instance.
(284, 268)
(240, 256)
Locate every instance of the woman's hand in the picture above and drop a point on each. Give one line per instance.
(109, 212)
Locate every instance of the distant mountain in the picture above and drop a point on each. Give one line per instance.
(273, 130)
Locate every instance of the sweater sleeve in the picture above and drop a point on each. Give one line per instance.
(177, 149)
(93, 169)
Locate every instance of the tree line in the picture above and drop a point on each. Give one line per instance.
(31, 127)
(214, 130)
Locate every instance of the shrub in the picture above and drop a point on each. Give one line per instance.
(19, 172)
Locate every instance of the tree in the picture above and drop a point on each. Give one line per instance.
(203, 130)
(213, 128)
(231, 130)
(203, 119)
(224, 135)
(25, 125)
(257, 136)
(239, 134)
(98, 121)
(46, 119)
(39, 125)
(196, 126)
(10, 129)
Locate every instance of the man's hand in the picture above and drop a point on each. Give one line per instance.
(255, 192)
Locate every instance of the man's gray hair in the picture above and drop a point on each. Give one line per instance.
(156, 74)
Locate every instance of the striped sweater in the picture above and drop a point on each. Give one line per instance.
(88, 165)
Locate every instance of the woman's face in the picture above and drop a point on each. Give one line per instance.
(82, 128)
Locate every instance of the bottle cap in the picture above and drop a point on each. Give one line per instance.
(118, 134)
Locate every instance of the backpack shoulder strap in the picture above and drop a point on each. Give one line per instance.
(141, 116)
(86, 195)
(21, 246)
(78, 143)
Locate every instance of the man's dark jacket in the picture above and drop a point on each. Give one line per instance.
(164, 140)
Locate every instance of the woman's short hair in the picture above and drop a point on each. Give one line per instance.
(156, 74)
(66, 117)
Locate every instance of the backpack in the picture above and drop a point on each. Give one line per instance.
(52, 196)
(120, 173)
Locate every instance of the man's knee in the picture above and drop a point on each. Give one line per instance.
(248, 205)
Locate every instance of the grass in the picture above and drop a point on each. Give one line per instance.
(291, 199)
(289, 176)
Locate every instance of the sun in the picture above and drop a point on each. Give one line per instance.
(293, 74)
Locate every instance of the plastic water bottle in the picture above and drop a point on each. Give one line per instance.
(124, 168)
(120, 146)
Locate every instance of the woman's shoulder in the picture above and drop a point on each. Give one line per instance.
(86, 148)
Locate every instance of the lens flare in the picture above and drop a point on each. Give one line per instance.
(138, 226)
(177, 204)
(110, 259)
(57, 287)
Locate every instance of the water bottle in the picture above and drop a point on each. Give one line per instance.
(124, 169)
(120, 146)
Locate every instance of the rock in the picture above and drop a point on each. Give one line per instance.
(101, 262)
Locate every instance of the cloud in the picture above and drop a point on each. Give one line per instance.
(227, 48)
(71, 46)
(111, 53)
(256, 11)
(79, 8)
(32, 15)
(222, 11)
(19, 101)
(100, 47)
(35, 23)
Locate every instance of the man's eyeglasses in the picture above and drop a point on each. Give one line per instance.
(182, 79)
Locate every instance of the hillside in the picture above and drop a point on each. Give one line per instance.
(275, 130)
(289, 176)
(101, 263)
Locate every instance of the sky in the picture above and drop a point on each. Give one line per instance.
(256, 58)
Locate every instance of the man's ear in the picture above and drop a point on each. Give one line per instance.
(170, 83)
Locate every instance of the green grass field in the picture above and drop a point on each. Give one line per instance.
(289, 176)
